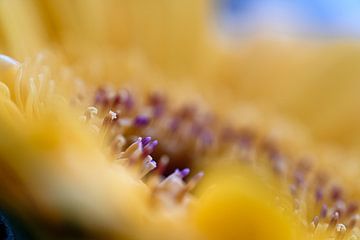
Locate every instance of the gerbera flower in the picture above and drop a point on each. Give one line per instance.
(85, 154)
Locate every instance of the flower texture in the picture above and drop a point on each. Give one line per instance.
(103, 134)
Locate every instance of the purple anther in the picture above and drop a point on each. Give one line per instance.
(319, 194)
(154, 143)
(336, 193)
(149, 148)
(129, 102)
(145, 140)
(126, 99)
(177, 172)
(116, 101)
(174, 124)
(139, 142)
(157, 101)
(101, 97)
(151, 144)
(323, 211)
(207, 138)
(158, 111)
(141, 121)
(185, 172)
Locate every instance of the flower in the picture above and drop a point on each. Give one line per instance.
(89, 157)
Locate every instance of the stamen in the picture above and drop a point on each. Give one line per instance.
(146, 140)
(148, 166)
(323, 211)
(189, 186)
(299, 178)
(113, 115)
(6, 62)
(141, 121)
(149, 148)
(336, 193)
(118, 143)
(352, 208)
(353, 237)
(164, 161)
(174, 124)
(106, 125)
(315, 222)
(157, 101)
(185, 172)
(194, 180)
(340, 231)
(136, 146)
(353, 221)
(188, 135)
(126, 99)
(116, 101)
(319, 194)
(90, 113)
(206, 138)
(109, 118)
(101, 97)
(340, 207)
(333, 221)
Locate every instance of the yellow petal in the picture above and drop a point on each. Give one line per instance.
(233, 206)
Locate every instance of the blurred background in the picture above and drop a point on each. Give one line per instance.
(298, 18)
(299, 59)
